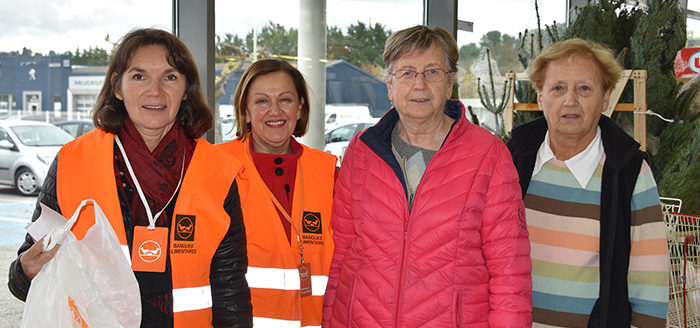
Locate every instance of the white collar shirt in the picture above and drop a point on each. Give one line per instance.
(582, 166)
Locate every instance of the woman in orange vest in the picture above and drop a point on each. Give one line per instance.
(155, 179)
(287, 194)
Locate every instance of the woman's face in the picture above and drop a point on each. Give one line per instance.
(420, 99)
(572, 99)
(151, 90)
(273, 107)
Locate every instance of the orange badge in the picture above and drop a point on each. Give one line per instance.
(150, 249)
(305, 279)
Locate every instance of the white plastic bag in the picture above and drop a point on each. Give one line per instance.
(89, 283)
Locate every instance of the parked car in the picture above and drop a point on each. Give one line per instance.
(27, 148)
(337, 115)
(338, 138)
(76, 128)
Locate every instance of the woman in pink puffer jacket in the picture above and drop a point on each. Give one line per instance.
(428, 220)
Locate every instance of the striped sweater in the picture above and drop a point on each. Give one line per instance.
(564, 226)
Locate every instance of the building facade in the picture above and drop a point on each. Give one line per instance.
(34, 84)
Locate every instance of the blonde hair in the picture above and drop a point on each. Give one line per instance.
(609, 69)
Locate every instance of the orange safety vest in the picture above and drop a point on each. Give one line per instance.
(273, 273)
(86, 170)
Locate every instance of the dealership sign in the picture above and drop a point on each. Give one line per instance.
(687, 63)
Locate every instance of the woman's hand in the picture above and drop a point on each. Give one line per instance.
(34, 258)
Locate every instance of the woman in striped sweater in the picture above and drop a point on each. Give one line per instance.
(599, 255)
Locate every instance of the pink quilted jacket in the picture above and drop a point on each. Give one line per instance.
(459, 258)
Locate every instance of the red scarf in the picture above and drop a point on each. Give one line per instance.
(158, 172)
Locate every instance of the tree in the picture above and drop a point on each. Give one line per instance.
(336, 44)
(503, 48)
(27, 52)
(274, 40)
(362, 46)
(231, 46)
(468, 53)
(94, 57)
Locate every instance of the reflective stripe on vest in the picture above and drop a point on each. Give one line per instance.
(277, 323)
(286, 279)
(194, 298)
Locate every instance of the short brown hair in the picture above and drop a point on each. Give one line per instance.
(419, 39)
(264, 67)
(609, 69)
(195, 114)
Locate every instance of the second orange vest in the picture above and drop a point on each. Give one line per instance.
(273, 273)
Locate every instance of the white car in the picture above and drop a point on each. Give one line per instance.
(338, 138)
(27, 149)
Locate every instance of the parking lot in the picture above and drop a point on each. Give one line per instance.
(15, 212)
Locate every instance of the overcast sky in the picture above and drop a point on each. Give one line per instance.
(64, 25)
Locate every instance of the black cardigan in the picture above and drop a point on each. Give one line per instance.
(620, 172)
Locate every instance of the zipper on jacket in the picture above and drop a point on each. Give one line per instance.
(397, 315)
(399, 290)
(403, 246)
(401, 268)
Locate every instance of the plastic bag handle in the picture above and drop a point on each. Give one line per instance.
(58, 234)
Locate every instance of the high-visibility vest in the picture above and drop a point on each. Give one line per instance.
(86, 170)
(273, 272)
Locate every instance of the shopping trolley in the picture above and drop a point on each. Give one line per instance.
(682, 234)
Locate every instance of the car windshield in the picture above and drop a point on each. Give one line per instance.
(41, 135)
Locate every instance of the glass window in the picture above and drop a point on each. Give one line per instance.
(343, 133)
(71, 128)
(5, 136)
(56, 102)
(85, 103)
(356, 31)
(39, 135)
(4, 103)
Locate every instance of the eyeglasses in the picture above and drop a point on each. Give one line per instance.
(409, 75)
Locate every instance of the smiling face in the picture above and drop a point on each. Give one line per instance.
(420, 99)
(273, 107)
(151, 90)
(572, 98)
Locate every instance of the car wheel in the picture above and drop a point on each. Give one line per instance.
(25, 182)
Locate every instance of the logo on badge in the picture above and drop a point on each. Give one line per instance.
(149, 251)
(303, 273)
(184, 227)
(312, 222)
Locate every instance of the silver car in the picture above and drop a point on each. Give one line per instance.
(27, 148)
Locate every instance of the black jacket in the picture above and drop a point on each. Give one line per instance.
(620, 172)
(230, 293)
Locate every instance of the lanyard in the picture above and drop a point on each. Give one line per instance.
(151, 218)
(283, 211)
